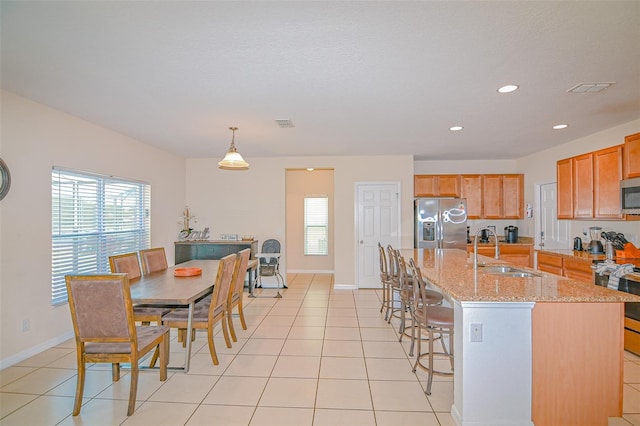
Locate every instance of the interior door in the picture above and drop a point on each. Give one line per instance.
(551, 233)
(378, 220)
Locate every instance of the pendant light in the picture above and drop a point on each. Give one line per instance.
(233, 160)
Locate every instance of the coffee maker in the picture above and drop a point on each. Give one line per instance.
(595, 246)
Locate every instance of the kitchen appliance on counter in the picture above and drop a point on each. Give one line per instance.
(484, 236)
(595, 246)
(577, 244)
(440, 223)
(511, 234)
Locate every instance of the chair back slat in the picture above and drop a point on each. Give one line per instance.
(384, 270)
(239, 272)
(222, 285)
(101, 307)
(153, 260)
(126, 263)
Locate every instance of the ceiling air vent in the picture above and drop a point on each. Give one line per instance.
(285, 123)
(589, 87)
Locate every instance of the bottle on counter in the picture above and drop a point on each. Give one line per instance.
(608, 250)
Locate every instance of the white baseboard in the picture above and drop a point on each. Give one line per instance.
(28, 353)
(310, 271)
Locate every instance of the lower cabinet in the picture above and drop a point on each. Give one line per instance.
(575, 269)
(518, 254)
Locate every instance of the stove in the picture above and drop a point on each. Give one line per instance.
(630, 283)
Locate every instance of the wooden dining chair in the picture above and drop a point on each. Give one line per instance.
(236, 291)
(206, 317)
(153, 260)
(128, 263)
(105, 330)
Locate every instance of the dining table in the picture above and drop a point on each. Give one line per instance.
(166, 288)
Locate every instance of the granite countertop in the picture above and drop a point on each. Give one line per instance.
(452, 271)
(215, 241)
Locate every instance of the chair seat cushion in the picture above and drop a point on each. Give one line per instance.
(146, 334)
(436, 316)
(200, 314)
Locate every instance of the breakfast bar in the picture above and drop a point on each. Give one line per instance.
(523, 342)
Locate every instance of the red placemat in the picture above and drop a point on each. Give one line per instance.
(187, 272)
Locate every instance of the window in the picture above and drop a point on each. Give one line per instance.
(316, 225)
(94, 217)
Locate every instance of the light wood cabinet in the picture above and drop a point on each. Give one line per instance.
(490, 196)
(607, 173)
(549, 262)
(566, 266)
(518, 254)
(632, 156)
(564, 174)
(588, 185)
(583, 186)
(512, 196)
(436, 185)
(577, 269)
(503, 196)
(471, 189)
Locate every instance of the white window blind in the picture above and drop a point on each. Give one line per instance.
(316, 225)
(94, 217)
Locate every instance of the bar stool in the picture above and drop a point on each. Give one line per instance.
(384, 279)
(434, 320)
(408, 300)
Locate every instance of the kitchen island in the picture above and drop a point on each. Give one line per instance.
(550, 351)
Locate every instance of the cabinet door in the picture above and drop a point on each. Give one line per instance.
(578, 270)
(448, 186)
(424, 185)
(632, 156)
(564, 179)
(513, 197)
(471, 189)
(607, 174)
(550, 263)
(583, 186)
(492, 190)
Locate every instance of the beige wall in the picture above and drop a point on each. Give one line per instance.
(254, 201)
(299, 184)
(35, 138)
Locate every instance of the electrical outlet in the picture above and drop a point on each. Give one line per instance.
(26, 325)
(475, 333)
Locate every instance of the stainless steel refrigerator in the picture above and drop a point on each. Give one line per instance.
(440, 223)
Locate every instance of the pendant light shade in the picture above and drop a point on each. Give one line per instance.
(233, 160)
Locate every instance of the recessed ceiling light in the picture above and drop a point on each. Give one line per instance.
(310, 169)
(560, 126)
(508, 88)
(455, 128)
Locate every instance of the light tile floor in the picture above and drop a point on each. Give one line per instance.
(317, 356)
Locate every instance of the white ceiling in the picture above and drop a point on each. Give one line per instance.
(355, 78)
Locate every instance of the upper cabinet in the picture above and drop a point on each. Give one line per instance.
(588, 185)
(471, 189)
(489, 196)
(503, 196)
(607, 174)
(436, 185)
(632, 156)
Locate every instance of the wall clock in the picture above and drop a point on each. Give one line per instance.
(5, 179)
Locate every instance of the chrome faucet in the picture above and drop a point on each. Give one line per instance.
(475, 246)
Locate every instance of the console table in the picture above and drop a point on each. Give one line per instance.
(215, 249)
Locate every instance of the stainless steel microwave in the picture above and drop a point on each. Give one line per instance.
(630, 195)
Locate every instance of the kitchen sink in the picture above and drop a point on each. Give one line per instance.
(508, 271)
